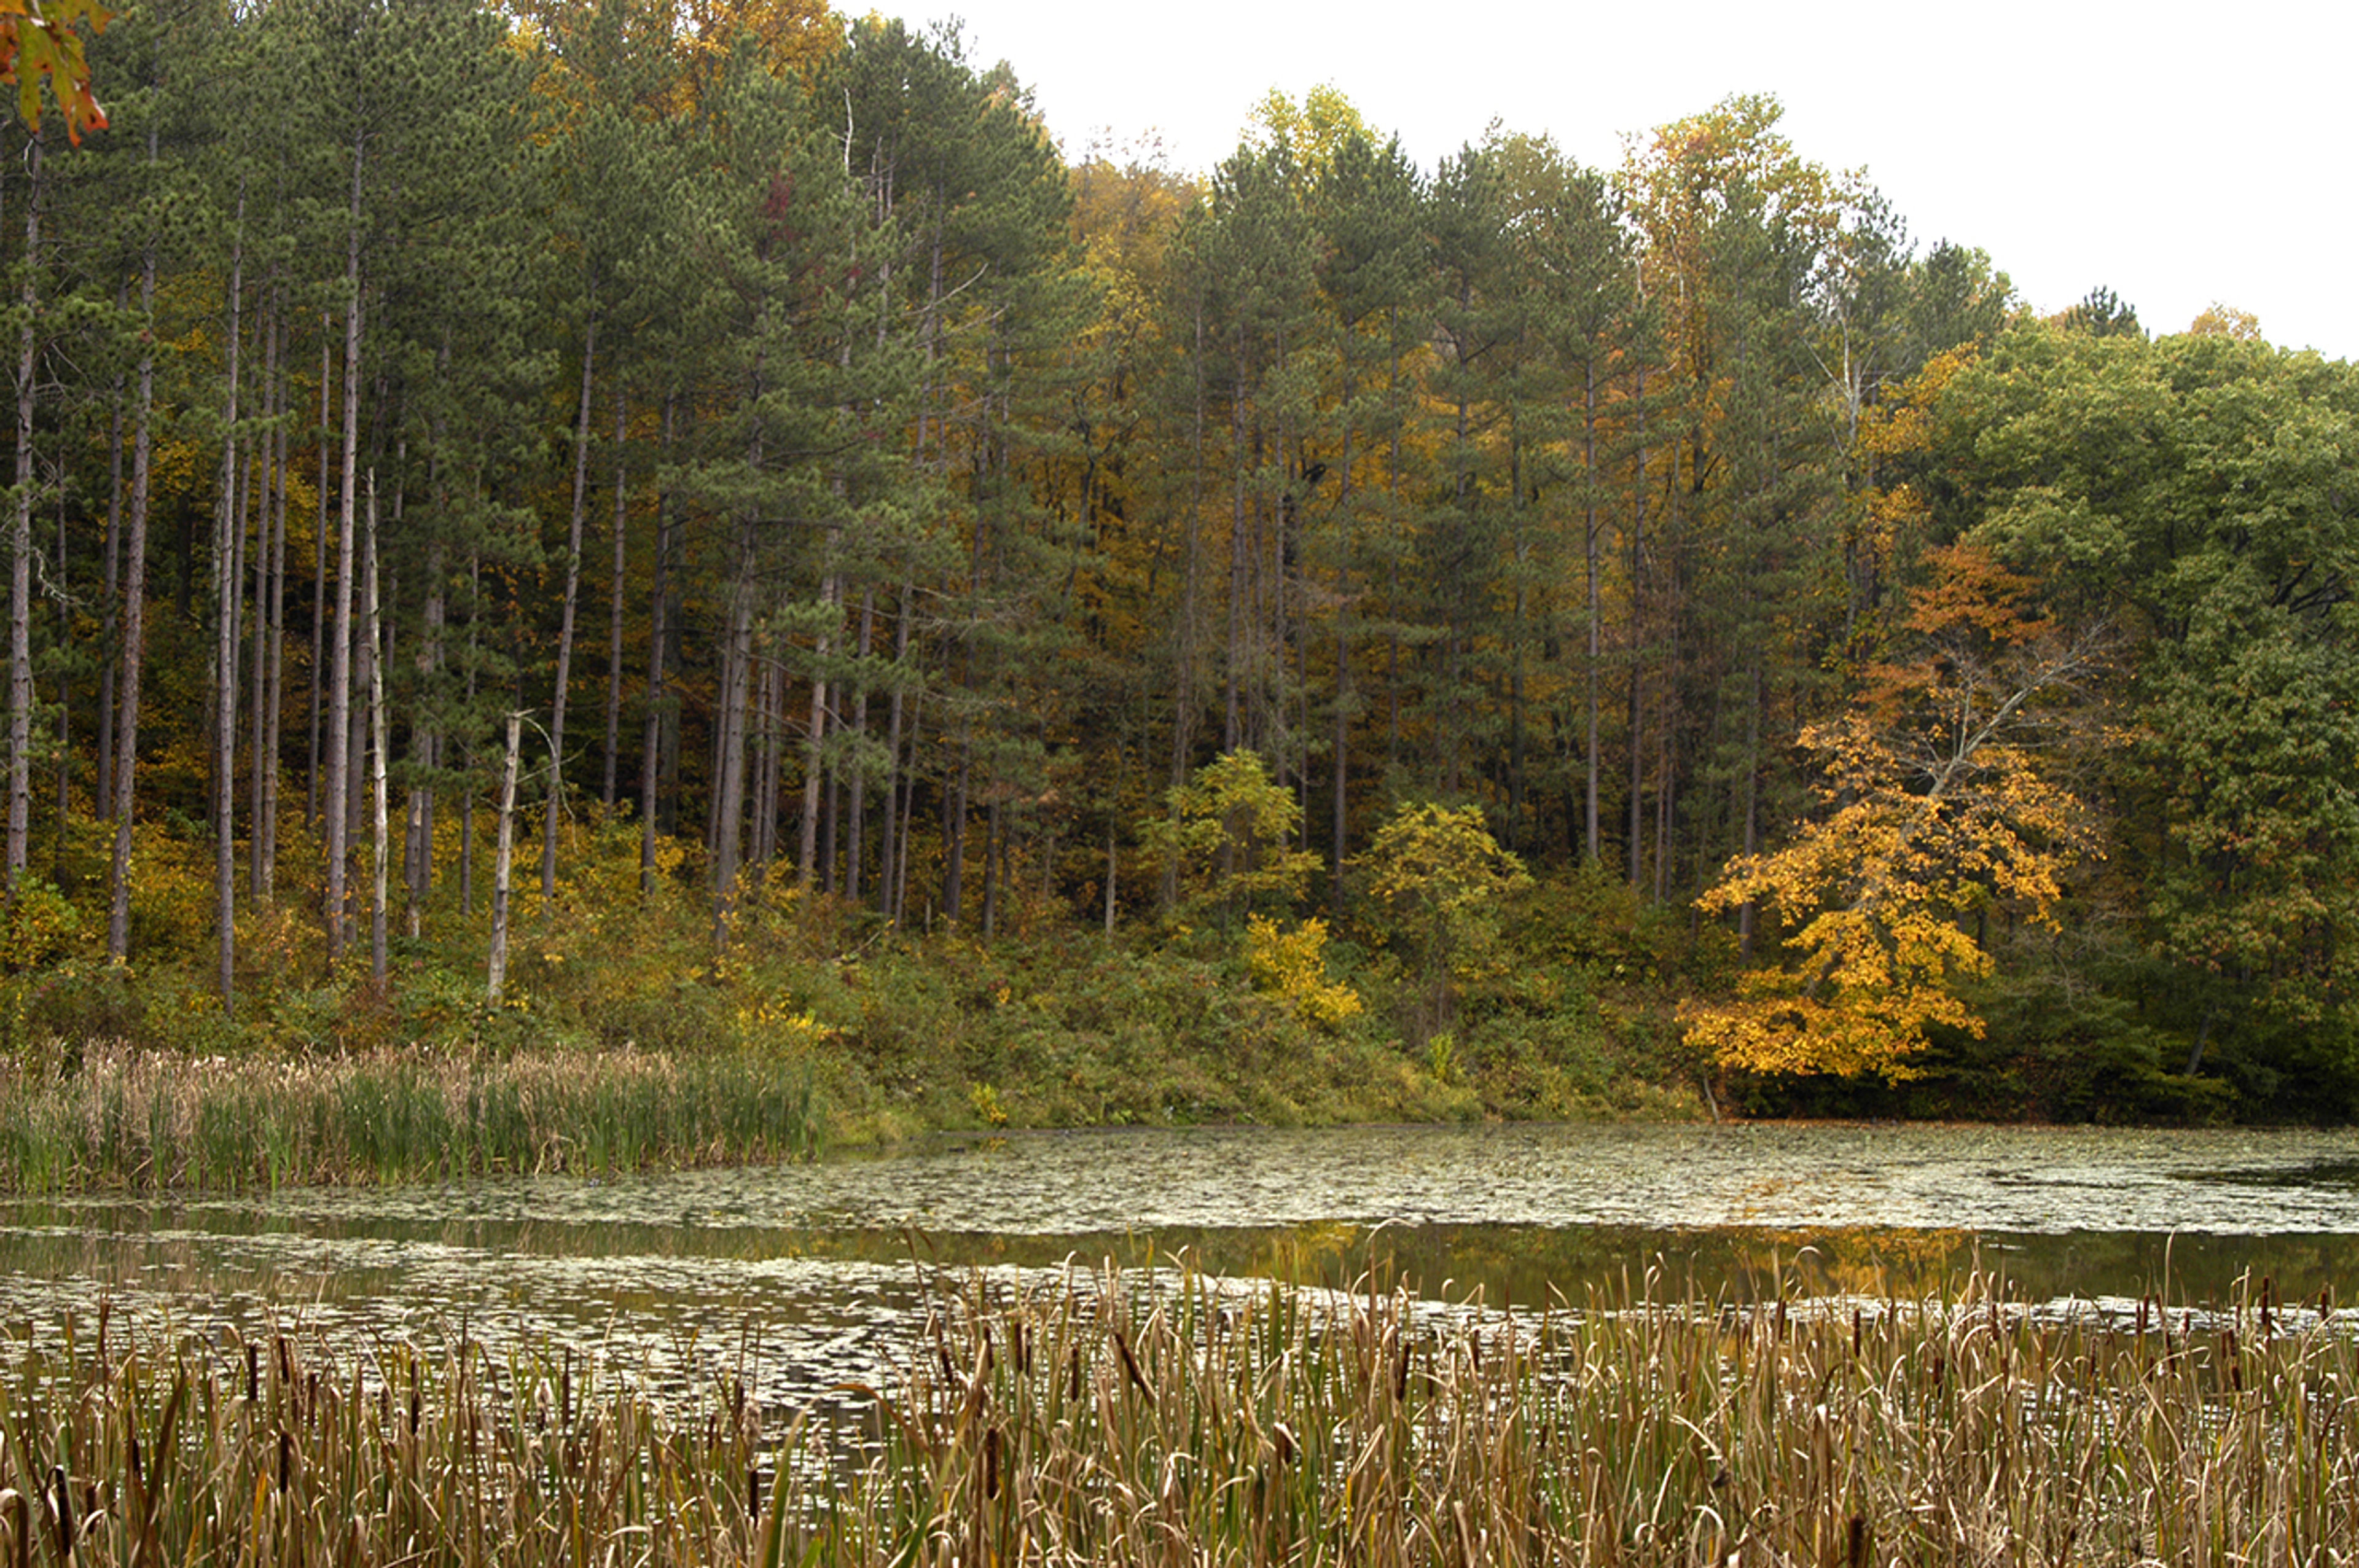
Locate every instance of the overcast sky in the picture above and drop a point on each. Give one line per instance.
(2177, 157)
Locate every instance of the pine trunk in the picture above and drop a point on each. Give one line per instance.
(336, 786)
(658, 695)
(1590, 850)
(261, 478)
(229, 541)
(565, 623)
(503, 863)
(20, 551)
(135, 610)
(379, 846)
(806, 847)
(615, 606)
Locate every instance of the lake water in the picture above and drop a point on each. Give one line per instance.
(810, 1276)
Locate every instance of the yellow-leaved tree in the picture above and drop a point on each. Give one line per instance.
(1228, 840)
(1437, 882)
(1938, 797)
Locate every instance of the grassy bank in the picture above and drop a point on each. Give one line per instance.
(1106, 1422)
(160, 1122)
(812, 1021)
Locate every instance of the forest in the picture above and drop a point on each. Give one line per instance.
(684, 523)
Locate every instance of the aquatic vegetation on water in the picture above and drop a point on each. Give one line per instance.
(1109, 1417)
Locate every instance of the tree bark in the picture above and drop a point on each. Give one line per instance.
(20, 551)
(658, 695)
(615, 604)
(260, 763)
(496, 966)
(1637, 625)
(134, 608)
(337, 785)
(1591, 849)
(814, 737)
(565, 623)
(319, 578)
(273, 675)
(229, 539)
(855, 849)
(379, 846)
(102, 787)
(729, 806)
(893, 831)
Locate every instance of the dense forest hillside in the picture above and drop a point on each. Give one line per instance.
(646, 520)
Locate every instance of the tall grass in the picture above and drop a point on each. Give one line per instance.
(1105, 1421)
(158, 1120)
(1109, 1426)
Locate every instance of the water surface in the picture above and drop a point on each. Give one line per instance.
(812, 1274)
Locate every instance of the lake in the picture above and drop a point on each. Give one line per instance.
(805, 1277)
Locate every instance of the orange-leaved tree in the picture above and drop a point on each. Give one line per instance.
(1938, 797)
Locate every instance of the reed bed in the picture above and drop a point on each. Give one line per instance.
(1127, 1418)
(160, 1122)
(1103, 1425)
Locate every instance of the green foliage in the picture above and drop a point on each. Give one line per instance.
(1439, 882)
(2192, 488)
(957, 493)
(1228, 836)
(37, 925)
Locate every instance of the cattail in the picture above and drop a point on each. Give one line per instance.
(62, 1514)
(1130, 1365)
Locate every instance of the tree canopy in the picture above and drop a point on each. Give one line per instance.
(852, 497)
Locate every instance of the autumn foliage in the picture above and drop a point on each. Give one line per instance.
(1938, 802)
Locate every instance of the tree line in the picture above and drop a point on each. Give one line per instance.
(743, 425)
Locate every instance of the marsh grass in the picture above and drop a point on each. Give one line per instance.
(1105, 1425)
(1132, 1419)
(158, 1120)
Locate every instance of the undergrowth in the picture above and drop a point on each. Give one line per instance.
(797, 1019)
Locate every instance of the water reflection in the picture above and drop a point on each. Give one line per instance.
(813, 1275)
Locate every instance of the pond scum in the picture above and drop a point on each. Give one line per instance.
(1115, 1421)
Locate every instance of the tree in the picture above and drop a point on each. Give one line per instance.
(1936, 800)
(1733, 227)
(2219, 319)
(1374, 271)
(1230, 832)
(1441, 878)
(2196, 489)
(2101, 313)
(1571, 236)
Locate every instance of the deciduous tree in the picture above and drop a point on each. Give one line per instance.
(1937, 798)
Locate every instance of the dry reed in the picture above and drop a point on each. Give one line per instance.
(1122, 1419)
(1103, 1426)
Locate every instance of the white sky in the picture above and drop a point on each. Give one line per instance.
(2176, 156)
